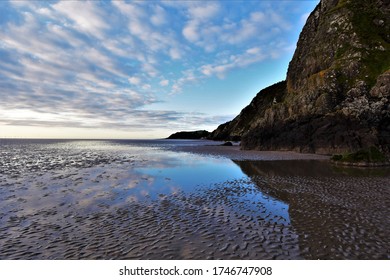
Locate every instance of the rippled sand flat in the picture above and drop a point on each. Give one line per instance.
(117, 201)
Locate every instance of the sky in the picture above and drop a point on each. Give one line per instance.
(138, 69)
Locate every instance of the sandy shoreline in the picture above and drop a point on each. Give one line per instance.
(268, 217)
(187, 202)
(234, 153)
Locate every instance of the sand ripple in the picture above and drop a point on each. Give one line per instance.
(329, 219)
(174, 227)
(98, 205)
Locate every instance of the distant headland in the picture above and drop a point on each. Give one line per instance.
(199, 134)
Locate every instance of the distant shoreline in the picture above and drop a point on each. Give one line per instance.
(196, 146)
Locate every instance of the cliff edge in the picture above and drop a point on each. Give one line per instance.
(336, 95)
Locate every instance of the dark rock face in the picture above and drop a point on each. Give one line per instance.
(228, 143)
(251, 114)
(336, 95)
(314, 134)
(199, 134)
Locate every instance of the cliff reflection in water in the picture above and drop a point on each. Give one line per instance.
(338, 213)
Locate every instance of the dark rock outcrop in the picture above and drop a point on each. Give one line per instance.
(336, 97)
(199, 134)
(227, 144)
(249, 116)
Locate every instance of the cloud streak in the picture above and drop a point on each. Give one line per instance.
(103, 64)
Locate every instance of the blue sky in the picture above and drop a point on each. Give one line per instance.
(138, 69)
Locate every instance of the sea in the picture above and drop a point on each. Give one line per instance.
(172, 199)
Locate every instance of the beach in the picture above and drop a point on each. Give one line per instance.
(186, 200)
(235, 153)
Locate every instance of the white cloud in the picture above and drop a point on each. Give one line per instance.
(279, 21)
(159, 17)
(149, 69)
(203, 10)
(129, 9)
(146, 30)
(176, 88)
(250, 56)
(207, 69)
(208, 32)
(146, 87)
(253, 50)
(164, 83)
(78, 58)
(95, 56)
(139, 29)
(258, 17)
(247, 29)
(85, 15)
(188, 77)
(18, 3)
(191, 32)
(52, 68)
(175, 53)
(91, 79)
(135, 80)
(59, 33)
(199, 14)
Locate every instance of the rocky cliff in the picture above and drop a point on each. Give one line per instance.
(336, 94)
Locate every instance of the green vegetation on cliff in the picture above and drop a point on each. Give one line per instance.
(370, 22)
(369, 155)
(336, 97)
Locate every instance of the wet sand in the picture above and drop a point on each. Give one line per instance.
(203, 225)
(104, 205)
(235, 153)
(338, 213)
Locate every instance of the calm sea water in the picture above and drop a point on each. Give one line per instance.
(139, 169)
(75, 198)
